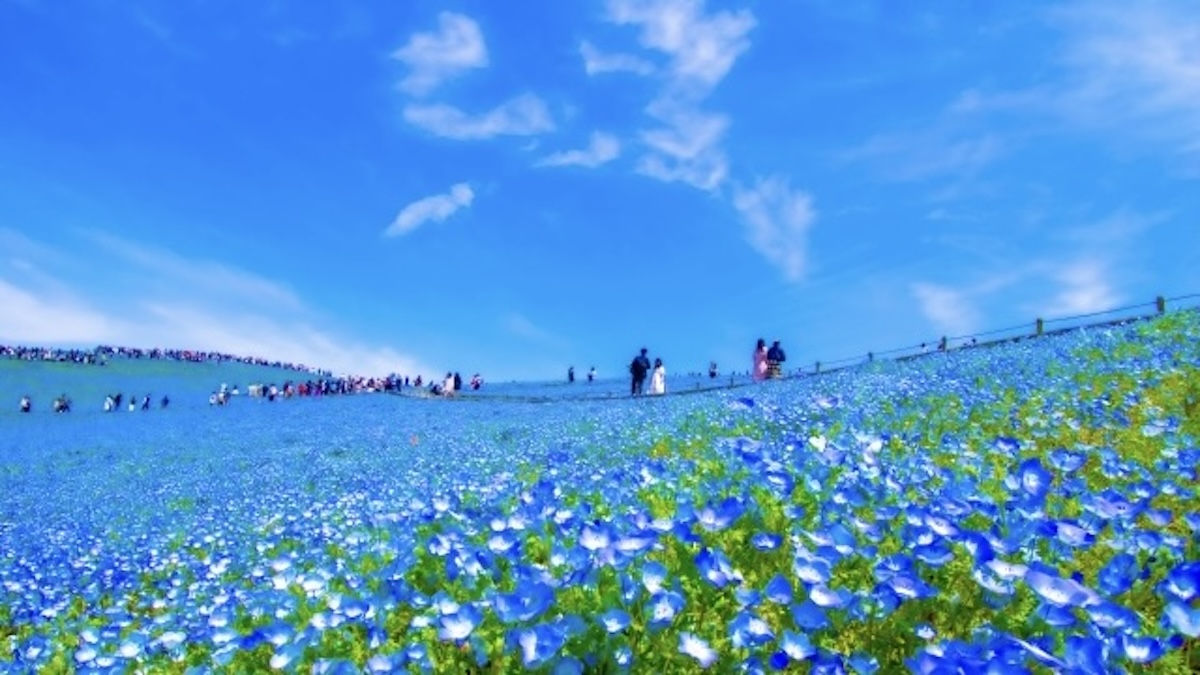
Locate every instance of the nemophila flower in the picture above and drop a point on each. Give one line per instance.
(1183, 581)
(863, 664)
(536, 644)
(1059, 591)
(662, 609)
(1140, 648)
(1085, 655)
(595, 536)
(809, 616)
(459, 625)
(1183, 618)
(614, 620)
(1033, 480)
(502, 543)
(748, 630)
(697, 649)
(765, 541)
(1006, 570)
(716, 568)
(779, 590)
(936, 554)
(781, 482)
(811, 569)
(1118, 575)
(1007, 445)
(746, 596)
(715, 518)
(653, 575)
(1056, 616)
(1072, 534)
(1065, 460)
(529, 601)
(824, 596)
(1111, 616)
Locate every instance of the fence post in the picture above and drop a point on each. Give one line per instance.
(1039, 327)
(1161, 302)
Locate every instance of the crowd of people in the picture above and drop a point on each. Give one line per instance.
(101, 354)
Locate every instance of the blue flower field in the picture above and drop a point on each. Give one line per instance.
(1025, 507)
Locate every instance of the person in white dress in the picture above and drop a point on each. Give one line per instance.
(658, 378)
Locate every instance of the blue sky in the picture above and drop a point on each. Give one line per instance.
(512, 188)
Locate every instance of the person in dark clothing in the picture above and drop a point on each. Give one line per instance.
(712, 369)
(165, 401)
(571, 374)
(26, 404)
(775, 358)
(638, 369)
(457, 382)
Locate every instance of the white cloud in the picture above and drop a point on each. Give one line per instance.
(525, 115)
(105, 297)
(1128, 70)
(434, 208)
(777, 220)
(701, 47)
(596, 62)
(949, 310)
(930, 153)
(687, 148)
(44, 319)
(602, 148)
(435, 57)
(205, 277)
(1084, 289)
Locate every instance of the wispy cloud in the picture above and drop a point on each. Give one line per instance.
(951, 311)
(596, 62)
(777, 220)
(602, 148)
(926, 154)
(1084, 288)
(1128, 70)
(700, 49)
(71, 301)
(525, 115)
(434, 57)
(208, 277)
(687, 147)
(434, 208)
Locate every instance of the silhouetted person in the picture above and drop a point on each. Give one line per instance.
(571, 374)
(637, 370)
(26, 404)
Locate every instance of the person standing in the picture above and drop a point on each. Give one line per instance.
(571, 374)
(592, 374)
(775, 358)
(758, 369)
(658, 380)
(637, 370)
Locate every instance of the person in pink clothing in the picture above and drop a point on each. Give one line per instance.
(759, 371)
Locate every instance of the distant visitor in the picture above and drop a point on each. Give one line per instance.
(637, 371)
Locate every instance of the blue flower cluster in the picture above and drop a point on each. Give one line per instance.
(1030, 505)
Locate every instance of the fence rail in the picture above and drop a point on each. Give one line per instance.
(1039, 327)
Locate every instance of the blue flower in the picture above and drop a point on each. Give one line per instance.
(748, 630)
(765, 541)
(716, 568)
(537, 644)
(614, 620)
(653, 575)
(1141, 649)
(1183, 618)
(1034, 479)
(809, 616)
(459, 625)
(779, 590)
(529, 600)
(717, 518)
(1183, 581)
(1059, 591)
(1118, 575)
(662, 609)
(697, 649)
